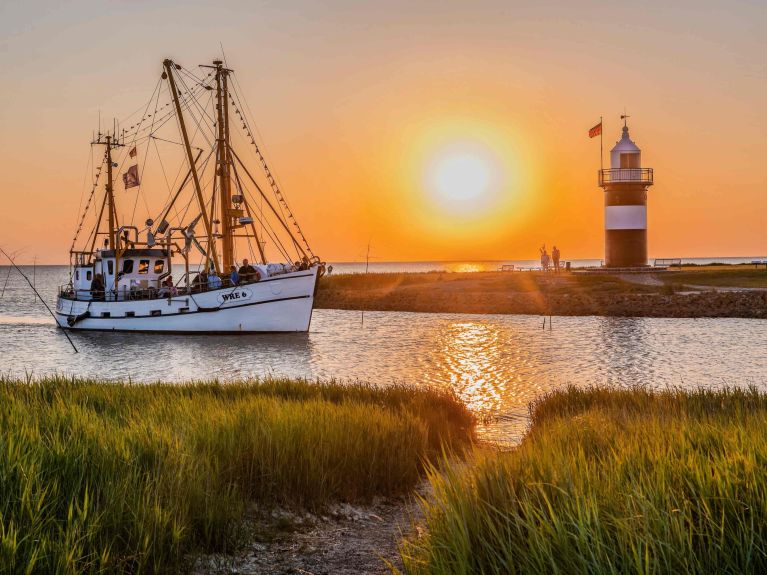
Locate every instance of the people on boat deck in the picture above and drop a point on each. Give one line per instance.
(234, 277)
(97, 287)
(248, 273)
(214, 282)
(168, 289)
(200, 282)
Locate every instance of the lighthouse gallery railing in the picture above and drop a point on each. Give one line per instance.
(626, 175)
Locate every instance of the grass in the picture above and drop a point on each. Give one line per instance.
(732, 276)
(610, 481)
(100, 477)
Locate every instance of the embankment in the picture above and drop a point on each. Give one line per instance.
(535, 293)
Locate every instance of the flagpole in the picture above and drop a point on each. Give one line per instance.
(601, 154)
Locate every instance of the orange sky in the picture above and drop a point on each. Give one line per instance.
(355, 103)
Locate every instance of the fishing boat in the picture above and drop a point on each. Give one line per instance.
(226, 231)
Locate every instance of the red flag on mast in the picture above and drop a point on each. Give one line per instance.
(595, 131)
(132, 153)
(130, 177)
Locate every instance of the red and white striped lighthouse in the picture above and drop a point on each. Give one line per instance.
(625, 185)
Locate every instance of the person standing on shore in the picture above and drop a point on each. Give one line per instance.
(544, 258)
(555, 257)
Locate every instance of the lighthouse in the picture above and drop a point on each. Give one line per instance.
(625, 185)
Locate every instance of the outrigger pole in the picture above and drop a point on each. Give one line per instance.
(50, 311)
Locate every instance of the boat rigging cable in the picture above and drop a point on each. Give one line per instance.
(31, 285)
(142, 128)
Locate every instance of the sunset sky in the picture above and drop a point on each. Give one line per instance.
(435, 130)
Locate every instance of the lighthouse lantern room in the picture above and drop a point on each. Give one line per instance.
(625, 185)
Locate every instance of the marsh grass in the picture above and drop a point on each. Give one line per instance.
(610, 481)
(102, 477)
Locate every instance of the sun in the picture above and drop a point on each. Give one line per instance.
(463, 179)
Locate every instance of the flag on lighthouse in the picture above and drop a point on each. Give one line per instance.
(130, 177)
(595, 131)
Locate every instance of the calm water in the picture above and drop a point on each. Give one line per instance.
(497, 364)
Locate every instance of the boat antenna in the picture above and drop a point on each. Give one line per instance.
(13, 263)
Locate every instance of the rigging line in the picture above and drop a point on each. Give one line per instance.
(260, 191)
(153, 137)
(87, 205)
(164, 175)
(88, 168)
(238, 183)
(266, 227)
(274, 184)
(156, 92)
(143, 169)
(203, 112)
(133, 143)
(166, 117)
(13, 263)
(127, 118)
(181, 166)
(171, 202)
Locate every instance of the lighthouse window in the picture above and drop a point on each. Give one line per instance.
(158, 266)
(128, 267)
(143, 266)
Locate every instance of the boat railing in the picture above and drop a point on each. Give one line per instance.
(139, 294)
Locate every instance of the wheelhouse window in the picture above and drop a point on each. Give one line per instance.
(128, 266)
(88, 276)
(143, 266)
(77, 275)
(158, 266)
(111, 267)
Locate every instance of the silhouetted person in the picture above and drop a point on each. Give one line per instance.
(97, 288)
(248, 273)
(200, 283)
(544, 259)
(214, 282)
(555, 258)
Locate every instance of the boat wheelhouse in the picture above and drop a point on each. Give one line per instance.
(166, 275)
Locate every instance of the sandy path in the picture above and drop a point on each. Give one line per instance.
(347, 540)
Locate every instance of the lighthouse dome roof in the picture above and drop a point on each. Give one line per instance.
(625, 144)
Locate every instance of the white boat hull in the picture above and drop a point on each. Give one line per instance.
(282, 303)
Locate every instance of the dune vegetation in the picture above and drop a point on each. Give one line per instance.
(99, 477)
(609, 481)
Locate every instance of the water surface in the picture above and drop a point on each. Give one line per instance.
(497, 364)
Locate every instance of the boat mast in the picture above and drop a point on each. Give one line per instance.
(109, 142)
(224, 163)
(211, 251)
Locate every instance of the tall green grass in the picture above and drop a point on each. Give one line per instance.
(100, 477)
(610, 481)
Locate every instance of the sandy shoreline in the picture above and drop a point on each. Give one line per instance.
(659, 295)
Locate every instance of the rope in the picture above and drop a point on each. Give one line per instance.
(269, 176)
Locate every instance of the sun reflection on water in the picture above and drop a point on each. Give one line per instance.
(469, 352)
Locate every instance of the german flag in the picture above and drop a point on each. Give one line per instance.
(595, 131)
